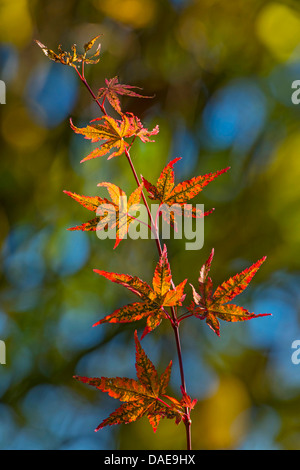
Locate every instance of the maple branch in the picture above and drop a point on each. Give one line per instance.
(173, 320)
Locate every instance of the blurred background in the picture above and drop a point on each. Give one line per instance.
(221, 73)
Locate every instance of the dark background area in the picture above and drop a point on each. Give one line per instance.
(221, 73)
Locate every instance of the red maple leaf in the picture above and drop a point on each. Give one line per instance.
(153, 300)
(142, 397)
(211, 306)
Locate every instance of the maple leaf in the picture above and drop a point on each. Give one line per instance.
(70, 58)
(177, 196)
(210, 306)
(141, 397)
(115, 213)
(113, 132)
(153, 300)
(113, 89)
(110, 131)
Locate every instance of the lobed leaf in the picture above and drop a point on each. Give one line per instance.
(112, 133)
(128, 313)
(115, 213)
(140, 397)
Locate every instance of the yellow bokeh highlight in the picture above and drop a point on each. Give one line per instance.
(284, 200)
(224, 417)
(135, 13)
(19, 131)
(278, 28)
(15, 22)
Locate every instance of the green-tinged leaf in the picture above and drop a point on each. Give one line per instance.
(210, 307)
